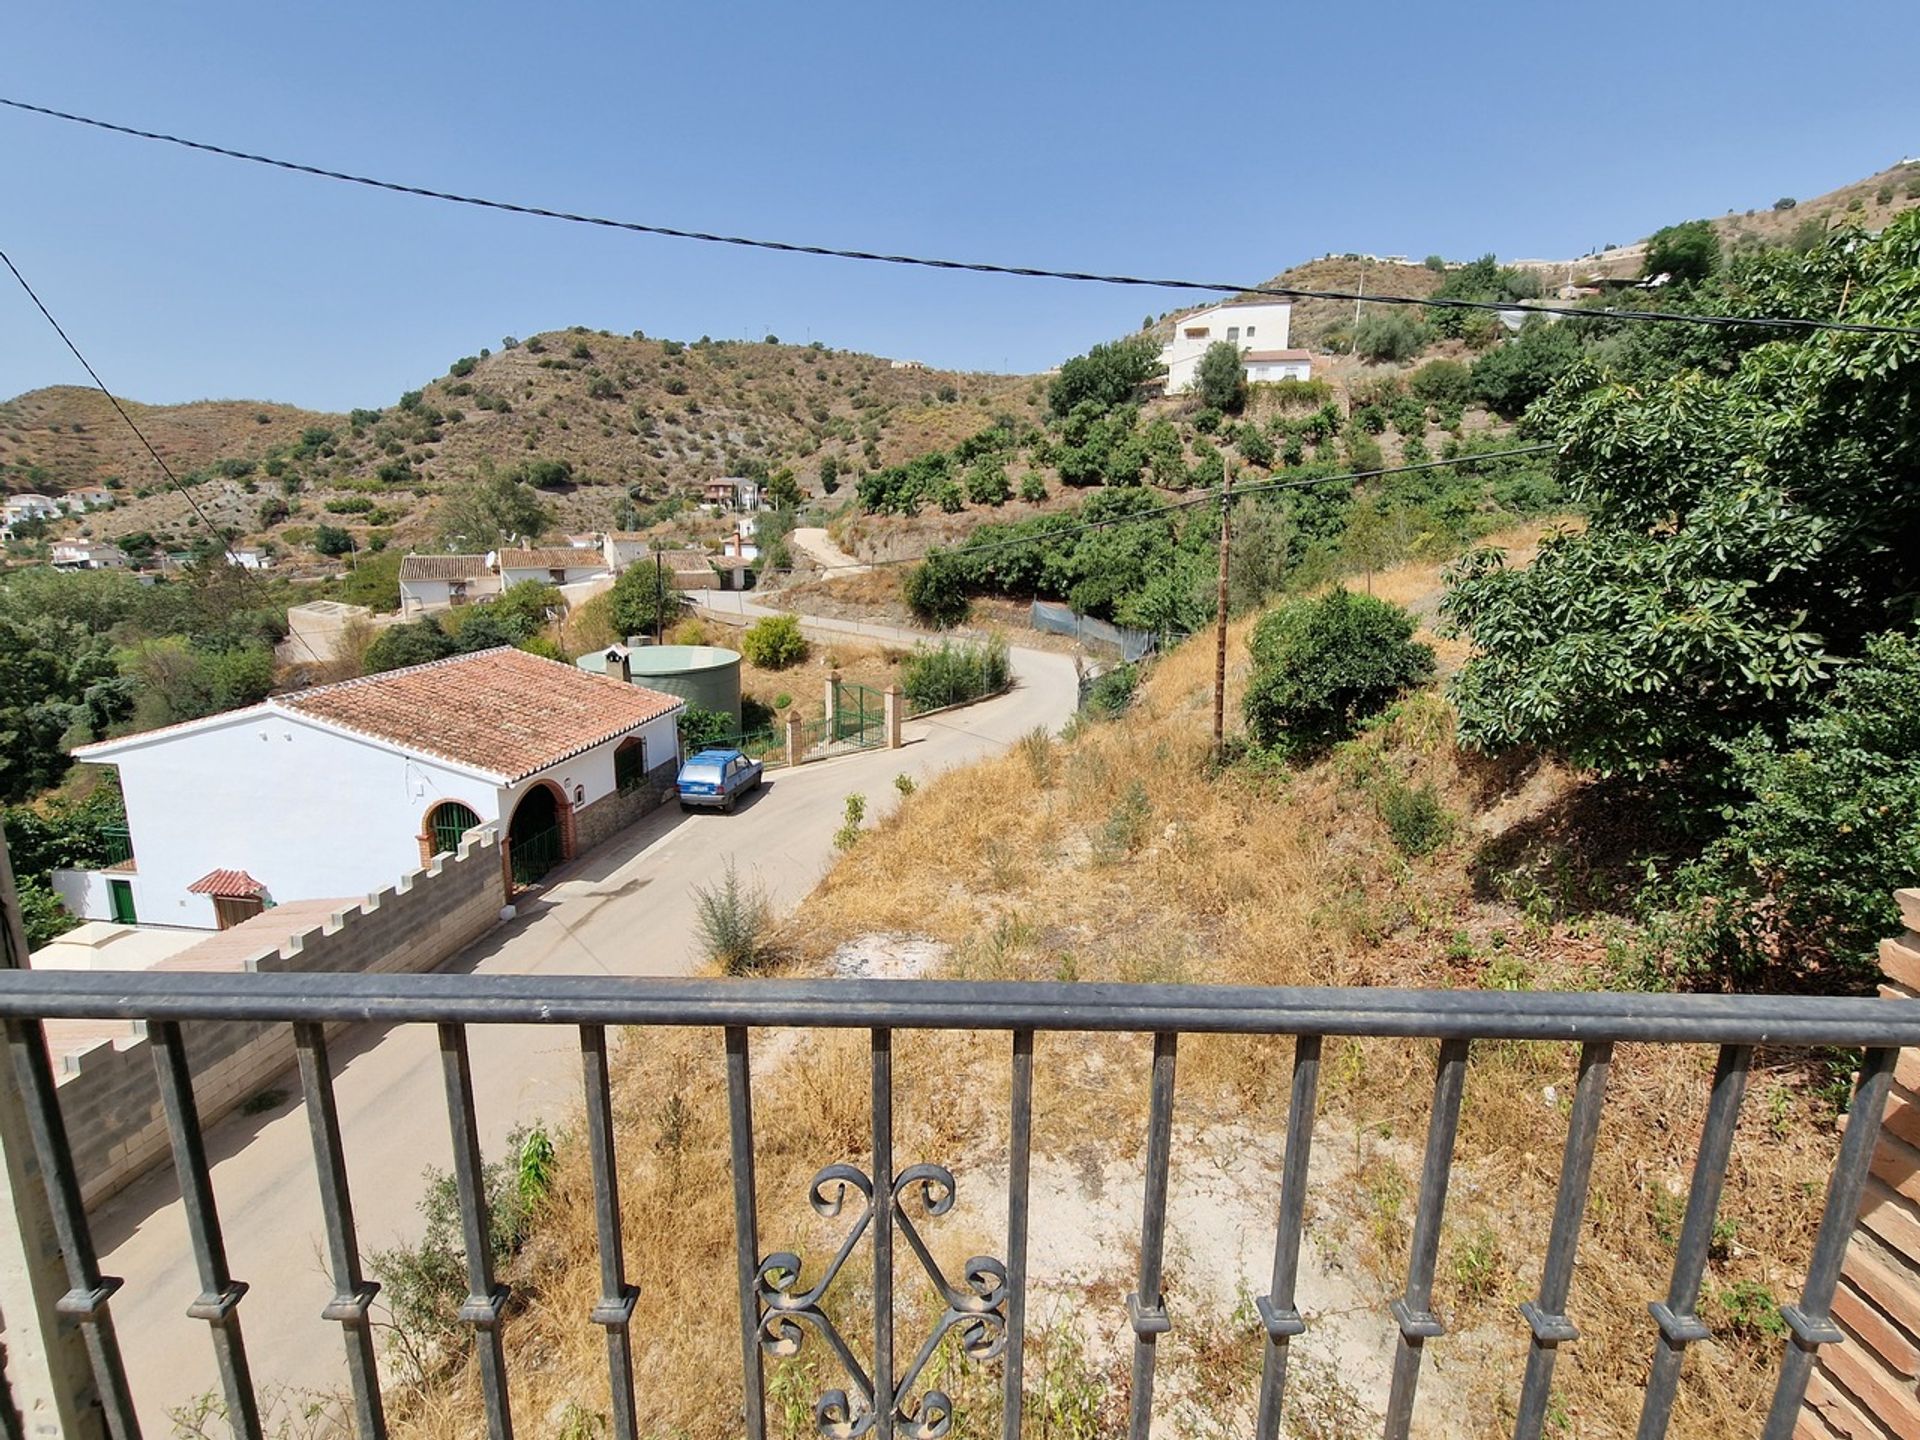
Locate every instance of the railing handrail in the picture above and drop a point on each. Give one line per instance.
(1582, 1016)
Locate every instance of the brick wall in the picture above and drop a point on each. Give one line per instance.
(109, 1093)
(1865, 1389)
(594, 823)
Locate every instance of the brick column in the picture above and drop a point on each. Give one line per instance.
(833, 704)
(896, 707)
(793, 738)
(1865, 1388)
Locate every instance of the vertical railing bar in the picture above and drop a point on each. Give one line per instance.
(617, 1297)
(352, 1292)
(1546, 1315)
(1144, 1307)
(884, 1399)
(746, 1226)
(1279, 1315)
(1679, 1325)
(220, 1293)
(486, 1301)
(87, 1298)
(1810, 1323)
(1019, 1165)
(1414, 1311)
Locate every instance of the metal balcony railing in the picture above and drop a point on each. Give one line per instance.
(987, 1304)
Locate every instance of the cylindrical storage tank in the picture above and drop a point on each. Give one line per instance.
(704, 675)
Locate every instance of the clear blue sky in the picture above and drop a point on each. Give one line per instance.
(1216, 141)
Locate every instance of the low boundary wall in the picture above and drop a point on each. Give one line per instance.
(109, 1091)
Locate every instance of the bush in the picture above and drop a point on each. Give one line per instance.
(463, 367)
(332, 540)
(848, 835)
(774, 642)
(414, 644)
(1394, 335)
(1442, 382)
(1414, 815)
(1322, 666)
(1221, 377)
(952, 673)
(1033, 487)
(701, 728)
(736, 922)
(1108, 375)
(1112, 692)
(935, 592)
(1829, 828)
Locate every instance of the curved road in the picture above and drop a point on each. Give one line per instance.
(625, 909)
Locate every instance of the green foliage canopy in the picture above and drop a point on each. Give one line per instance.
(1322, 666)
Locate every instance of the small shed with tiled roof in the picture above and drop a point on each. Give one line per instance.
(340, 789)
(441, 582)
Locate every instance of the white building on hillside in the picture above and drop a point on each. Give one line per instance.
(553, 565)
(439, 582)
(1259, 326)
(94, 497)
(87, 555)
(330, 792)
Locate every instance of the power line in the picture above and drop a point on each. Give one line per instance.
(981, 267)
(246, 576)
(1210, 498)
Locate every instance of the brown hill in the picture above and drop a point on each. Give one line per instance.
(628, 417)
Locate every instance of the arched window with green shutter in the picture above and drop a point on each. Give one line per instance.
(450, 821)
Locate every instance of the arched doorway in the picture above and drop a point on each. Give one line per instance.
(535, 835)
(446, 823)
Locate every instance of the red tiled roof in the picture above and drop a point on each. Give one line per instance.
(227, 885)
(553, 557)
(442, 567)
(501, 711)
(1258, 356)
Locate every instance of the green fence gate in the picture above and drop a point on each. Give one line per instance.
(859, 717)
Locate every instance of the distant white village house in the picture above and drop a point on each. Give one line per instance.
(440, 582)
(552, 565)
(329, 793)
(1258, 328)
(87, 555)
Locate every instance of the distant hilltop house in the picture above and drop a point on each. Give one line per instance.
(907, 364)
(1257, 327)
(94, 497)
(328, 793)
(248, 557)
(87, 555)
(736, 492)
(20, 509)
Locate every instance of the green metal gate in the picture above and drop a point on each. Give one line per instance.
(534, 855)
(451, 820)
(859, 717)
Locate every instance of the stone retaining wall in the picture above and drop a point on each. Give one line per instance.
(610, 814)
(109, 1093)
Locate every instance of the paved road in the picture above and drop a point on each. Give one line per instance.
(625, 909)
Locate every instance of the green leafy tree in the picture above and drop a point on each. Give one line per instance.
(331, 540)
(935, 592)
(829, 474)
(1519, 371)
(526, 608)
(1688, 252)
(783, 491)
(415, 644)
(774, 642)
(1389, 335)
(1221, 377)
(1322, 666)
(484, 513)
(1108, 375)
(1749, 527)
(644, 602)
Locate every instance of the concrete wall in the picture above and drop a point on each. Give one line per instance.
(109, 1094)
(1865, 1388)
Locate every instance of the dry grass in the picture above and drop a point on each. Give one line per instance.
(1117, 855)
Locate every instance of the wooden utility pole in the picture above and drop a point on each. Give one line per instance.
(1220, 620)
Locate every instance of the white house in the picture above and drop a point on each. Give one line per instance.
(741, 545)
(438, 582)
(1267, 365)
(329, 793)
(621, 548)
(87, 555)
(553, 565)
(734, 492)
(248, 557)
(91, 498)
(29, 507)
(1253, 325)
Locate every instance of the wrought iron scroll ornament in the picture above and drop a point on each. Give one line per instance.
(975, 1309)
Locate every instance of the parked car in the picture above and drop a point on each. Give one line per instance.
(716, 779)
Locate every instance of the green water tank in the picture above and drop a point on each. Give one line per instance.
(704, 675)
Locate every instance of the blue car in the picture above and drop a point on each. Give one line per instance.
(716, 779)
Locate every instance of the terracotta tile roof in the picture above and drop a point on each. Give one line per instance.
(685, 559)
(503, 711)
(442, 567)
(552, 557)
(1258, 356)
(228, 885)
